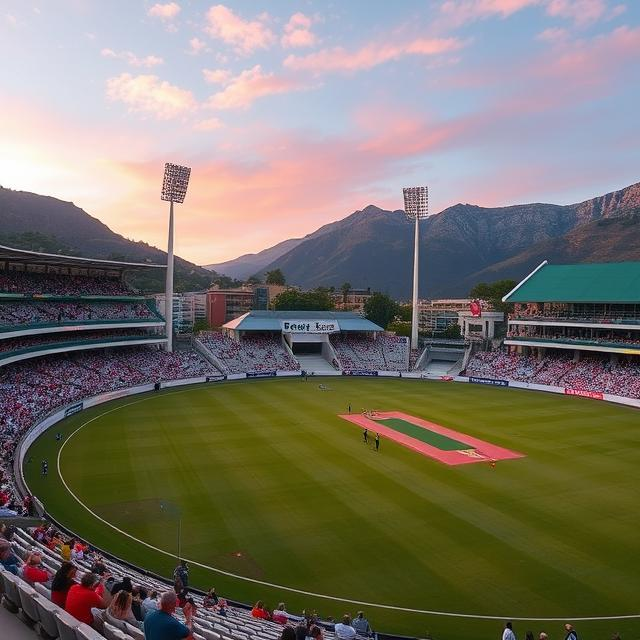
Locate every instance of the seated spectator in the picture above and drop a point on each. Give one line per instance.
(83, 597)
(120, 610)
(161, 625)
(316, 632)
(65, 550)
(189, 611)
(182, 597)
(8, 559)
(361, 624)
(63, 580)
(211, 599)
(222, 607)
(280, 615)
(139, 596)
(344, 630)
(150, 603)
(288, 633)
(33, 571)
(259, 611)
(123, 585)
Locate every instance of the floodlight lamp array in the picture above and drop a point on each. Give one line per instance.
(416, 202)
(175, 183)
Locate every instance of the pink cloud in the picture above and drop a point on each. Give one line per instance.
(166, 11)
(370, 55)
(216, 76)
(249, 85)
(458, 12)
(582, 12)
(553, 34)
(591, 62)
(196, 46)
(209, 124)
(245, 36)
(132, 59)
(148, 94)
(297, 32)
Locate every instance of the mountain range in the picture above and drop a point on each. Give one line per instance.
(460, 246)
(41, 223)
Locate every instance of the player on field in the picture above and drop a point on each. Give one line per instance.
(365, 435)
(377, 442)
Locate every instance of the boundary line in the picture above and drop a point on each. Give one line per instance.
(448, 614)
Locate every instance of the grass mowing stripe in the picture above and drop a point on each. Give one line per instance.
(437, 440)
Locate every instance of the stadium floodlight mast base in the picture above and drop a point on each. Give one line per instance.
(174, 189)
(416, 207)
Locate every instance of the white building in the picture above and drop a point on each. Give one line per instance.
(187, 309)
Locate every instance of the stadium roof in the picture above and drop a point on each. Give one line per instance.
(608, 282)
(272, 320)
(11, 254)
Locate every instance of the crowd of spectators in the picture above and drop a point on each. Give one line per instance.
(564, 312)
(98, 591)
(579, 336)
(31, 389)
(34, 283)
(385, 352)
(592, 373)
(16, 314)
(55, 339)
(254, 353)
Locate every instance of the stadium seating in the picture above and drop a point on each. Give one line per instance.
(593, 373)
(22, 314)
(256, 353)
(55, 339)
(362, 352)
(60, 284)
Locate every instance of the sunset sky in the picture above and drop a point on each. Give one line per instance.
(294, 114)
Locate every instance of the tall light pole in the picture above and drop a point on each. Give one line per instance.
(416, 206)
(174, 189)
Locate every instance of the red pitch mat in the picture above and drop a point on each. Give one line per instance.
(478, 451)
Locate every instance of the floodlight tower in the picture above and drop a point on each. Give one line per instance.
(416, 206)
(174, 189)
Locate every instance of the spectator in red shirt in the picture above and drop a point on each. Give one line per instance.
(33, 571)
(62, 582)
(259, 611)
(83, 597)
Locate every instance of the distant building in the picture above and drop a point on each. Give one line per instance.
(223, 305)
(187, 309)
(438, 315)
(353, 301)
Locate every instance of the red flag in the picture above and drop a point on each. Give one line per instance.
(476, 310)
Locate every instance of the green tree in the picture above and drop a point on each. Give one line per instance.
(493, 292)
(345, 288)
(293, 300)
(275, 276)
(404, 312)
(452, 331)
(381, 309)
(200, 325)
(400, 328)
(255, 279)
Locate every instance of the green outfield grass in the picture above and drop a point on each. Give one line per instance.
(273, 485)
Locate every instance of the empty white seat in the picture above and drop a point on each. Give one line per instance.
(27, 603)
(85, 632)
(67, 625)
(113, 633)
(46, 615)
(134, 632)
(42, 590)
(11, 598)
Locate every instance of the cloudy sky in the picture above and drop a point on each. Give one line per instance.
(293, 114)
